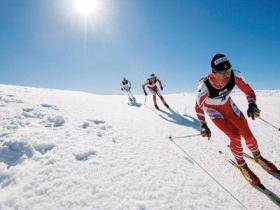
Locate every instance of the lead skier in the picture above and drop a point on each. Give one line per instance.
(213, 96)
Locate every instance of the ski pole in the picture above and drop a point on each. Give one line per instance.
(180, 137)
(211, 176)
(269, 123)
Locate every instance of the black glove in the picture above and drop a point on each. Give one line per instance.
(122, 89)
(145, 93)
(205, 131)
(161, 88)
(253, 111)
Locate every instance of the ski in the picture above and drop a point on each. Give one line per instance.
(260, 187)
(275, 174)
(271, 195)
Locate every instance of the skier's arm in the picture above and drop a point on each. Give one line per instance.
(199, 108)
(202, 94)
(143, 87)
(200, 113)
(253, 110)
(121, 86)
(160, 84)
(129, 84)
(200, 99)
(245, 87)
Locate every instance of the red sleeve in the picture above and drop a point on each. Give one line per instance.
(143, 86)
(200, 113)
(200, 99)
(159, 82)
(246, 89)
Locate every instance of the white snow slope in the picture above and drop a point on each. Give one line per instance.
(75, 150)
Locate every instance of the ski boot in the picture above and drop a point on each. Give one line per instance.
(249, 175)
(166, 105)
(156, 106)
(266, 165)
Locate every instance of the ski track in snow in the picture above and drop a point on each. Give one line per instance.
(75, 150)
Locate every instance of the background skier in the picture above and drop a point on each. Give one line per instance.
(151, 83)
(213, 96)
(126, 87)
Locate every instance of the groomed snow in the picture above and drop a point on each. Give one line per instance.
(76, 150)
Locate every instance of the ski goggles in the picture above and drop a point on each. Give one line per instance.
(223, 72)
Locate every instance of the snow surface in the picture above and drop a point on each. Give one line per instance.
(75, 150)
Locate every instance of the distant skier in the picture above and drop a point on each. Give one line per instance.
(151, 83)
(213, 96)
(126, 87)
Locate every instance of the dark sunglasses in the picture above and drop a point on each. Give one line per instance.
(223, 72)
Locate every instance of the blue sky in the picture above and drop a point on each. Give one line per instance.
(46, 44)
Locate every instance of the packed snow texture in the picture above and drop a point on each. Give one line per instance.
(75, 150)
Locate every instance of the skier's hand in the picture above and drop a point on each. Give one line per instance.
(205, 131)
(161, 88)
(122, 89)
(145, 93)
(253, 111)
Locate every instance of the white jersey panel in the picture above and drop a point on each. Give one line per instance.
(201, 92)
(217, 101)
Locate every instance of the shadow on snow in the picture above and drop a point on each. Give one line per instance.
(136, 104)
(175, 117)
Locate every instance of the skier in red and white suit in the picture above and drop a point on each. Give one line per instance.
(151, 83)
(213, 96)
